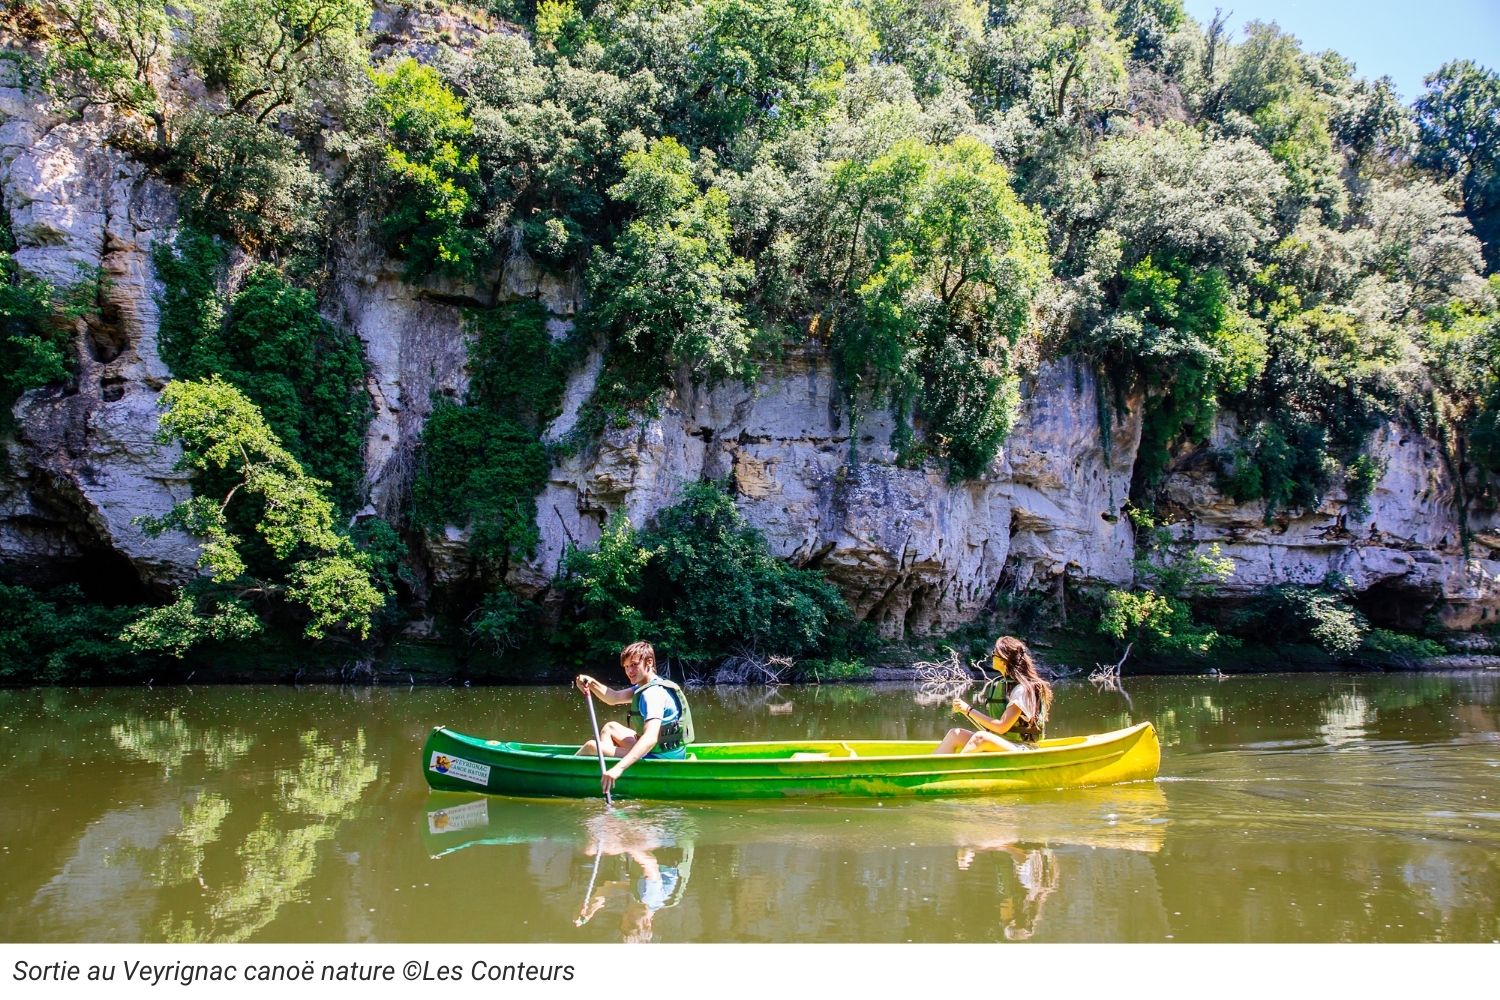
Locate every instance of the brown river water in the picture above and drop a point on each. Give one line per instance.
(1312, 807)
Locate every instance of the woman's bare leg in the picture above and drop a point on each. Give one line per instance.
(955, 739)
(987, 743)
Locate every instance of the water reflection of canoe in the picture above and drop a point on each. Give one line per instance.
(456, 762)
(1119, 817)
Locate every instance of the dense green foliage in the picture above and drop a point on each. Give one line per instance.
(247, 182)
(268, 64)
(700, 584)
(431, 180)
(223, 435)
(931, 264)
(1157, 614)
(1220, 215)
(1463, 403)
(665, 294)
(59, 636)
(1324, 616)
(36, 325)
(1320, 615)
(268, 340)
(33, 344)
(481, 463)
(1458, 127)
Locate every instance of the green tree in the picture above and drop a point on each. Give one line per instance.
(109, 54)
(247, 182)
(1147, 24)
(306, 375)
(933, 40)
(771, 63)
(1171, 572)
(1059, 59)
(1461, 350)
(1272, 84)
(222, 432)
(1191, 345)
(550, 137)
(33, 337)
(59, 636)
(1458, 125)
(1327, 386)
(1320, 615)
(269, 340)
(267, 55)
(430, 176)
(933, 264)
(666, 293)
(1422, 246)
(700, 583)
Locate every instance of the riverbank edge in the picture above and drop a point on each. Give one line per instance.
(436, 664)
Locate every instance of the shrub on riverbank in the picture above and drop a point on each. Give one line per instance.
(59, 636)
(699, 582)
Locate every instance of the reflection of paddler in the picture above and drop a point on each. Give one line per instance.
(1036, 878)
(657, 887)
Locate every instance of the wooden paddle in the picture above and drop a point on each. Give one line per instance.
(598, 743)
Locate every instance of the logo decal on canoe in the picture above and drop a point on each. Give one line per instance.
(470, 814)
(464, 770)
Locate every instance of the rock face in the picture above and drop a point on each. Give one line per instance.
(911, 551)
(416, 348)
(1406, 555)
(82, 463)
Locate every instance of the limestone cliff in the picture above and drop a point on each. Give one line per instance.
(83, 464)
(912, 551)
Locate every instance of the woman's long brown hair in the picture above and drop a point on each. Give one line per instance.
(1019, 663)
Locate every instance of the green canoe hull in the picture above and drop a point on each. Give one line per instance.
(453, 761)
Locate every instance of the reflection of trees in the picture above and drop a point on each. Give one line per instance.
(1177, 724)
(278, 857)
(168, 742)
(181, 858)
(747, 699)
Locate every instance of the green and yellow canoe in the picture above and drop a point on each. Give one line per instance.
(455, 762)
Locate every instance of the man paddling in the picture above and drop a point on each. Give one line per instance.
(666, 721)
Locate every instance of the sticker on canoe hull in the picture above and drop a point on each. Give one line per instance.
(457, 767)
(470, 814)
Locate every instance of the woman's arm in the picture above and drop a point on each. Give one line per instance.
(986, 722)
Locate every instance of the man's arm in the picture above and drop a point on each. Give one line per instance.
(650, 733)
(610, 696)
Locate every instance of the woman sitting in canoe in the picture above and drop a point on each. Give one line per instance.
(666, 721)
(1025, 711)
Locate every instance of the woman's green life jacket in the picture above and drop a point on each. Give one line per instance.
(1025, 730)
(673, 734)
